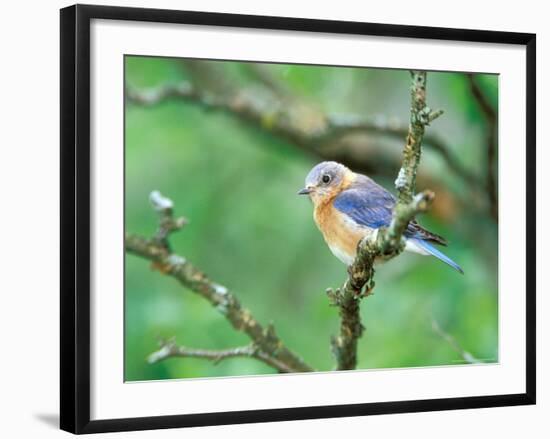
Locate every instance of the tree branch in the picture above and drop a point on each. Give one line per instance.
(267, 345)
(169, 349)
(295, 121)
(421, 116)
(491, 153)
(345, 124)
(386, 243)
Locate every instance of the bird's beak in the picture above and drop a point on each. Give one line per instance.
(304, 191)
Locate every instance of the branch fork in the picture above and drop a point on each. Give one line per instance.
(265, 345)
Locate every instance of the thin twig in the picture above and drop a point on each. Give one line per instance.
(491, 141)
(344, 124)
(169, 349)
(271, 349)
(466, 356)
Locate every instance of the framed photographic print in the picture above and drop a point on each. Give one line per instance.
(268, 218)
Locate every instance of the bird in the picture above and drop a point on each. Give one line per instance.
(348, 206)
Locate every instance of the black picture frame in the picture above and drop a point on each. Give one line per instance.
(75, 217)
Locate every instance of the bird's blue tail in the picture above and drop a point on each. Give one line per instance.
(425, 245)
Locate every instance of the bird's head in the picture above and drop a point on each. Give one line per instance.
(326, 180)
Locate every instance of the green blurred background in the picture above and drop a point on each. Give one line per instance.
(236, 182)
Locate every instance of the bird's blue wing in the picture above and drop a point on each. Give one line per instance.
(369, 205)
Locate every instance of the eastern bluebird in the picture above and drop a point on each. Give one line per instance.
(349, 206)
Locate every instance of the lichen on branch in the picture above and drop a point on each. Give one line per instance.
(388, 242)
(421, 116)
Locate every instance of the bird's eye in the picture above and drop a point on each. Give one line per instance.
(325, 179)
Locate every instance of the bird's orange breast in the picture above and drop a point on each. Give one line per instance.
(339, 232)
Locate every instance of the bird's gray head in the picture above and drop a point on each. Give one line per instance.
(325, 180)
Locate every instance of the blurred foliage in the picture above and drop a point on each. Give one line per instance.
(250, 231)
